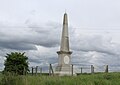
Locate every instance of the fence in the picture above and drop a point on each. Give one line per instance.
(77, 68)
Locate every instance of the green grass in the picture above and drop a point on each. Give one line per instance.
(93, 79)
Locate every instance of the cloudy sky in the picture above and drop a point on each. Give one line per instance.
(34, 27)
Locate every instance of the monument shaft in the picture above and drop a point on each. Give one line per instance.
(65, 36)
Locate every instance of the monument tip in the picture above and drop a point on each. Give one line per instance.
(65, 12)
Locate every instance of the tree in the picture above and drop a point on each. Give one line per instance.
(16, 62)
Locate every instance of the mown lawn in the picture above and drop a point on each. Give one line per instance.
(91, 79)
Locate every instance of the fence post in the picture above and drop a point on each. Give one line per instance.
(81, 70)
(32, 70)
(36, 70)
(41, 71)
(51, 69)
(72, 69)
(106, 69)
(92, 69)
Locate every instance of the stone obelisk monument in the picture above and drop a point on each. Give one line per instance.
(64, 55)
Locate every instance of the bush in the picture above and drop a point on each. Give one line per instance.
(16, 63)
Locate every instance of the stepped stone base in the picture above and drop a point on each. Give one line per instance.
(64, 71)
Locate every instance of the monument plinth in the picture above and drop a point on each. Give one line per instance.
(64, 55)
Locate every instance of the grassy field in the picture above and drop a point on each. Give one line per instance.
(91, 79)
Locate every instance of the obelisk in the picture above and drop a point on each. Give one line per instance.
(64, 55)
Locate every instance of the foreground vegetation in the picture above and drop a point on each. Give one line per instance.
(86, 79)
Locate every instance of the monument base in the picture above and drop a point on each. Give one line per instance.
(64, 71)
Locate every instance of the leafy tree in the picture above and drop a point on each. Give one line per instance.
(16, 62)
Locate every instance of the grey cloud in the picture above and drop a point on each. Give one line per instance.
(94, 58)
(17, 46)
(47, 34)
(14, 42)
(28, 37)
(79, 58)
(94, 49)
(95, 43)
(35, 60)
(51, 60)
